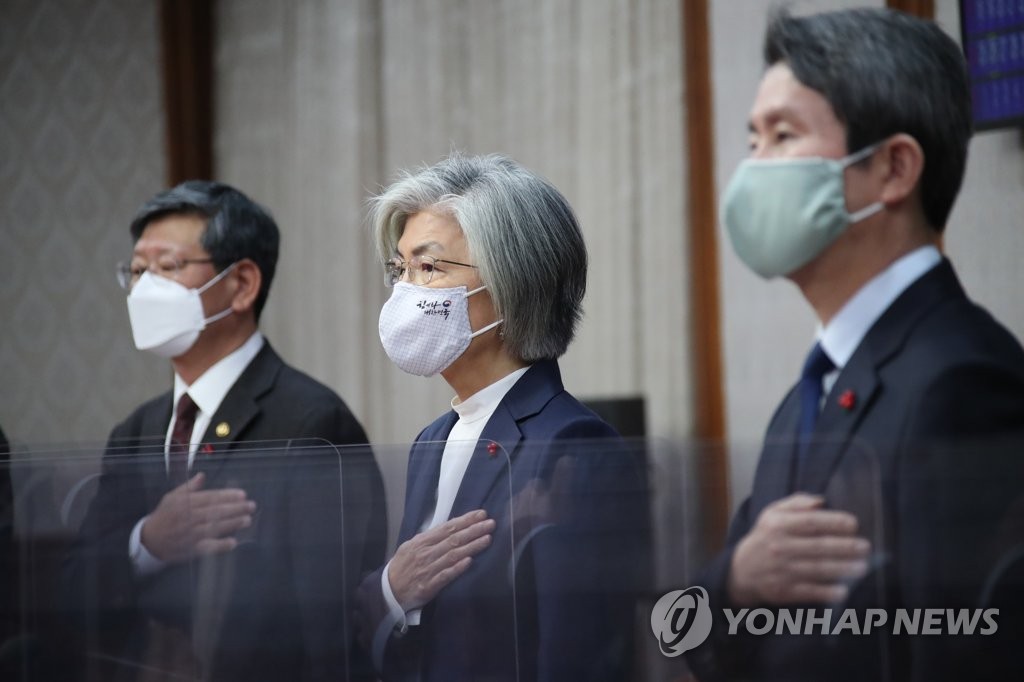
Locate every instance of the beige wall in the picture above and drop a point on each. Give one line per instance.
(985, 237)
(321, 102)
(81, 145)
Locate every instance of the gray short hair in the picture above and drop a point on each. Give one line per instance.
(522, 235)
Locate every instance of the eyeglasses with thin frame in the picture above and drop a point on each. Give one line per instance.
(420, 268)
(166, 265)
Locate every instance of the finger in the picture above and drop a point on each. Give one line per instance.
(442, 578)
(221, 512)
(438, 534)
(215, 545)
(461, 522)
(826, 547)
(446, 560)
(827, 570)
(193, 484)
(820, 522)
(467, 535)
(815, 593)
(223, 527)
(475, 547)
(213, 498)
(444, 546)
(798, 501)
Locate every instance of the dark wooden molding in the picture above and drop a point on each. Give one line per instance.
(186, 41)
(709, 394)
(921, 8)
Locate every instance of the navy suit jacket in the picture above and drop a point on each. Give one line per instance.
(275, 608)
(551, 597)
(921, 439)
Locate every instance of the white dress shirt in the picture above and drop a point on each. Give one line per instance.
(844, 332)
(208, 392)
(474, 412)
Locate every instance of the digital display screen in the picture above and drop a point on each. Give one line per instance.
(993, 40)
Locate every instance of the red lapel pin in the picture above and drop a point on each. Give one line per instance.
(847, 400)
(207, 449)
(492, 448)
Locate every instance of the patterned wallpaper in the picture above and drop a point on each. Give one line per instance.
(81, 134)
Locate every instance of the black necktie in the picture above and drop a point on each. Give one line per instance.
(818, 364)
(181, 435)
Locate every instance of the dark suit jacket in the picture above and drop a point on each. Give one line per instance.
(551, 597)
(275, 608)
(928, 457)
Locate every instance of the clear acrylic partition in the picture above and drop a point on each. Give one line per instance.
(276, 605)
(556, 592)
(589, 536)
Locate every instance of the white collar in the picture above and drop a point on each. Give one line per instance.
(483, 403)
(209, 389)
(847, 329)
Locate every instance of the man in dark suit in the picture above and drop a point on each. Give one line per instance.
(891, 471)
(228, 532)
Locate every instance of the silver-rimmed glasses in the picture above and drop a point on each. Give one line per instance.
(166, 265)
(420, 268)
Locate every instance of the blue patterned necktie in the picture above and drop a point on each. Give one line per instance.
(818, 364)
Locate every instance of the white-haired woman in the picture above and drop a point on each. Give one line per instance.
(520, 546)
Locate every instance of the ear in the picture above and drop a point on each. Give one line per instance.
(902, 163)
(248, 279)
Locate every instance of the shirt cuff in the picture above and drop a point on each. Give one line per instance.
(143, 562)
(402, 619)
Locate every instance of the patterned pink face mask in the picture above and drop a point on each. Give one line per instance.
(424, 330)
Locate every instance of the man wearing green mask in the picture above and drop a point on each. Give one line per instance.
(892, 469)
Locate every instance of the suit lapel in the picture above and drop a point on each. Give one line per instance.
(858, 384)
(496, 450)
(493, 456)
(424, 471)
(237, 412)
(151, 451)
(845, 407)
(776, 463)
(491, 461)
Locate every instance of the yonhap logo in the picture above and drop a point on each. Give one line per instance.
(681, 620)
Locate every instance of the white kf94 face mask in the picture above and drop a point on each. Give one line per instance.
(424, 330)
(166, 316)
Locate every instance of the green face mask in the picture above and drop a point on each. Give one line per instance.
(782, 213)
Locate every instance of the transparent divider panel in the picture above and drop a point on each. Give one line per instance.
(588, 537)
(232, 593)
(466, 624)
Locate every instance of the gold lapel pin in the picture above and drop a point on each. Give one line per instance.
(223, 429)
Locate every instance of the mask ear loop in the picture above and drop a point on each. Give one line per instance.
(489, 327)
(870, 209)
(220, 275)
(859, 155)
(224, 313)
(866, 212)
